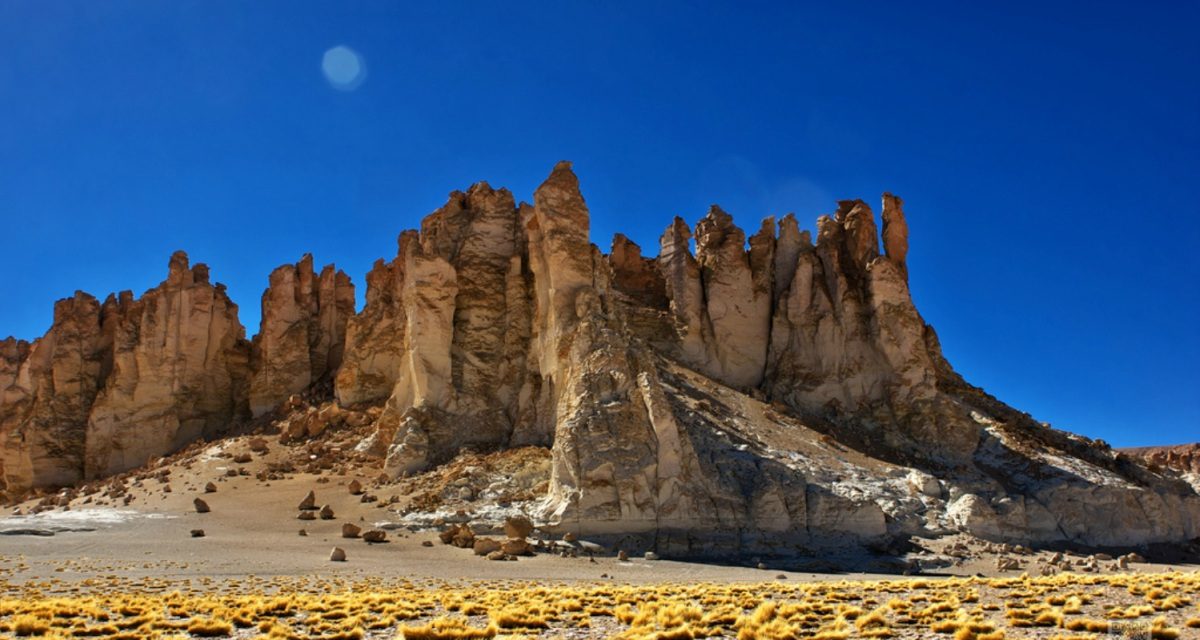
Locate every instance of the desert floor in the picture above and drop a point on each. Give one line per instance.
(125, 564)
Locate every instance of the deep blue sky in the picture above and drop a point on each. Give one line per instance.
(1049, 157)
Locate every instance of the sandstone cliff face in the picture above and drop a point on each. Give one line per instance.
(768, 393)
(46, 403)
(302, 333)
(111, 385)
(180, 367)
(828, 330)
(1184, 458)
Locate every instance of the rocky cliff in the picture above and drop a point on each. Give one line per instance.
(768, 392)
(1184, 458)
(303, 332)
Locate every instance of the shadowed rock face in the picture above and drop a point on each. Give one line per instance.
(766, 393)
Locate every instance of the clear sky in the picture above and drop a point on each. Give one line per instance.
(1049, 157)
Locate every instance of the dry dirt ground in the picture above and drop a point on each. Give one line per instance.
(122, 562)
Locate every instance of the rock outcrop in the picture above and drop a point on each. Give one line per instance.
(111, 385)
(44, 416)
(1184, 458)
(764, 394)
(302, 334)
(180, 369)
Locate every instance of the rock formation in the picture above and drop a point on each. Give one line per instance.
(302, 334)
(764, 394)
(44, 416)
(1184, 458)
(110, 386)
(180, 368)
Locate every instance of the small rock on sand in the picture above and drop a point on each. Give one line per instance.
(197, 533)
(201, 506)
(309, 502)
(337, 555)
(484, 546)
(375, 535)
(210, 488)
(327, 512)
(350, 530)
(518, 527)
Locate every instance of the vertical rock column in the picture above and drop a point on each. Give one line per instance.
(45, 413)
(302, 333)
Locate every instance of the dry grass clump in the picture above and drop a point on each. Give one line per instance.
(1064, 605)
(445, 629)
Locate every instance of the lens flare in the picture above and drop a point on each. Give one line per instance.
(344, 68)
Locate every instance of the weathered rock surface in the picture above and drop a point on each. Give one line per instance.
(50, 387)
(1184, 458)
(765, 394)
(302, 334)
(180, 365)
(111, 385)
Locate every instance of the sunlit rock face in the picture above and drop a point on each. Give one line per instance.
(776, 392)
(303, 332)
(180, 371)
(49, 389)
(111, 385)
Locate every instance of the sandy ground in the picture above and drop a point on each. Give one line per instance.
(252, 529)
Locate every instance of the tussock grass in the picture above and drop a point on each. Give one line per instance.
(1064, 605)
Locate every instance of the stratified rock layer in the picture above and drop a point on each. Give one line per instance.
(765, 394)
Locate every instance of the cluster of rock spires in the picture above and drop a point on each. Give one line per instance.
(784, 396)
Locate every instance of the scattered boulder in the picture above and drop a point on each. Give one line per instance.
(484, 546)
(210, 488)
(306, 515)
(309, 501)
(518, 527)
(201, 506)
(350, 530)
(326, 512)
(355, 487)
(1007, 564)
(197, 533)
(242, 458)
(459, 535)
(375, 536)
(337, 555)
(517, 547)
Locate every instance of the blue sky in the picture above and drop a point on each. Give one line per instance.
(1049, 158)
